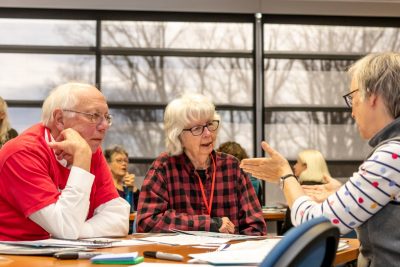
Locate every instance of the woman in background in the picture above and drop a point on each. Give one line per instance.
(6, 132)
(236, 150)
(118, 160)
(311, 169)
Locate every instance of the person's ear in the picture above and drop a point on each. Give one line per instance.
(58, 118)
(372, 100)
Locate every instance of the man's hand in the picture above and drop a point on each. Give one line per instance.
(70, 146)
(227, 226)
(321, 192)
(268, 169)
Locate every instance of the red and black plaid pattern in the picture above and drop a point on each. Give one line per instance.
(171, 197)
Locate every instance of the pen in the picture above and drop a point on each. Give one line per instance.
(75, 255)
(163, 255)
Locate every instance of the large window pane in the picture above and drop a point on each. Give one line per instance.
(306, 82)
(160, 79)
(47, 32)
(32, 76)
(332, 133)
(187, 35)
(320, 38)
(23, 118)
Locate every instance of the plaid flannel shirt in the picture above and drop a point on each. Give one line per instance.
(171, 197)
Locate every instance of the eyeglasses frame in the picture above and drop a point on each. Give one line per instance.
(204, 126)
(107, 117)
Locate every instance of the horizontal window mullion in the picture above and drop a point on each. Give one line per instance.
(305, 109)
(317, 56)
(175, 52)
(40, 49)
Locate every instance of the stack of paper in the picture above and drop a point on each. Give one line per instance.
(250, 252)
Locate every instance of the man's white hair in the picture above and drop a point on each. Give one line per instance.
(65, 96)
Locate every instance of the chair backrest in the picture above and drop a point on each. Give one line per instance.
(313, 243)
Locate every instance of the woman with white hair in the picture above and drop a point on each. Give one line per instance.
(310, 169)
(6, 132)
(191, 186)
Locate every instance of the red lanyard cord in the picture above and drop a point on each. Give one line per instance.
(208, 205)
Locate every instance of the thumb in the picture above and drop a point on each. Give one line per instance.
(266, 147)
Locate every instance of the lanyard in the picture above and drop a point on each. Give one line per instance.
(208, 205)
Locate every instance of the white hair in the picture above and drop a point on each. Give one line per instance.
(65, 96)
(5, 123)
(316, 166)
(183, 111)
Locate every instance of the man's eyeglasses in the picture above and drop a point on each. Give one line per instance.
(348, 98)
(198, 130)
(94, 117)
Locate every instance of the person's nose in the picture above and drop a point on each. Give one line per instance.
(206, 132)
(103, 125)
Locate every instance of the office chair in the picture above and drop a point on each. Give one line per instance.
(311, 244)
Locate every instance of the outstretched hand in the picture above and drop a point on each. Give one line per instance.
(268, 169)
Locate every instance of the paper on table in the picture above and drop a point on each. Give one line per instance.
(53, 242)
(121, 242)
(182, 239)
(343, 244)
(217, 235)
(250, 252)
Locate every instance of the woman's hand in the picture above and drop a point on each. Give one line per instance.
(227, 226)
(321, 192)
(268, 169)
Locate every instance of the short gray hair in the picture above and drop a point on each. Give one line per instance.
(379, 74)
(181, 112)
(65, 96)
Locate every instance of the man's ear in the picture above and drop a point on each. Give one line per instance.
(58, 118)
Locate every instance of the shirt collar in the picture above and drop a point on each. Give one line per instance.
(389, 131)
(49, 138)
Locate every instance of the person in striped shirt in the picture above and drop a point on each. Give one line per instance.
(369, 202)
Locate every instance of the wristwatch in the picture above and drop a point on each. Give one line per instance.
(283, 178)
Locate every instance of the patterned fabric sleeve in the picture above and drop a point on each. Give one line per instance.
(153, 212)
(376, 183)
(251, 220)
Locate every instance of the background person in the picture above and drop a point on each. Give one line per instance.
(311, 169)
(236, 150)
(54, 179)
(118, 160)
(369, 201)
(6, 132)
(192, 187)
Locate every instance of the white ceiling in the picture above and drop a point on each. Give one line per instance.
(386, 8)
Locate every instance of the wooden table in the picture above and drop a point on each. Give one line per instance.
(344, 256)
